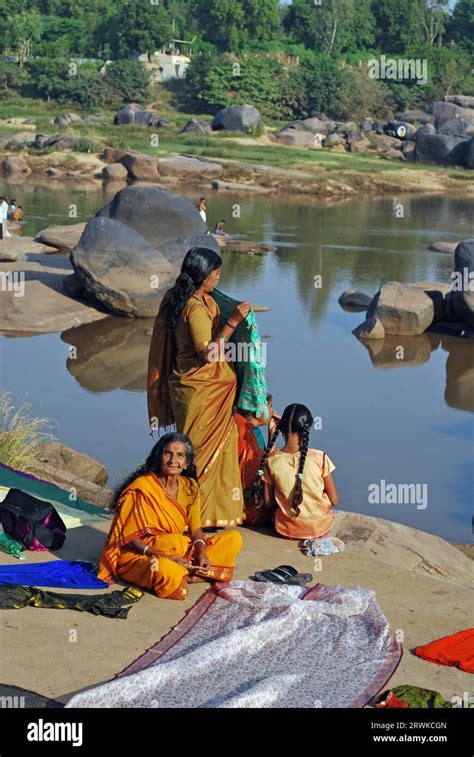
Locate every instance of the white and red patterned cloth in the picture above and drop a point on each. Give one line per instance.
(247, 644)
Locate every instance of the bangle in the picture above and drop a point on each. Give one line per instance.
(147, 547)
(196, 541)
(230, 325)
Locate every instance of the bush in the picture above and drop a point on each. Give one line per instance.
(128, 79)
(12, 78)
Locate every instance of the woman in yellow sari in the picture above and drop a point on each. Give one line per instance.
(191, 383)
(147, 545)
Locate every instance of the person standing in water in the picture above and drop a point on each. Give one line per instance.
(202, 209)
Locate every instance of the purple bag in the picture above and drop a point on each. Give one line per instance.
(34, 523)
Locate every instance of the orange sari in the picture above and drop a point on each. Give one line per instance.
(146, 511)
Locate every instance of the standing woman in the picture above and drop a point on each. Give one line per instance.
(190, 383)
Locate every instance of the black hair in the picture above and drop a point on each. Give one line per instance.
(297, 419)
(153, 464)
(198, 264)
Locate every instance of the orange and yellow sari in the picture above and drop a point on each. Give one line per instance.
(199, 397)
(146, 511)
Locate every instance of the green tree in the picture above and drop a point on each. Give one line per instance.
(233, 25)
(432, 17)
(333, 27)
(461, 25)
(128, 79)
(21, 32)
(12, 79)
(145, 27)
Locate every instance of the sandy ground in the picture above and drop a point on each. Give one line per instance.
(39, 652)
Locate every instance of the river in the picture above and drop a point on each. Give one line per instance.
(402, 421)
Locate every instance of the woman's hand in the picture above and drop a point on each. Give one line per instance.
(240, 313)
(273, 423)
(181, 561)
(201, 559)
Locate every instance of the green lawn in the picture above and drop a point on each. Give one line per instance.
(221, 145)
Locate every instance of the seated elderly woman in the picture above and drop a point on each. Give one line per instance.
(147, 544)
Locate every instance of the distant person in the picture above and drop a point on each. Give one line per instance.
(295, 483)
(3, 216)
(219, 228)
(203, 209)
(11, 208)
(18, 214)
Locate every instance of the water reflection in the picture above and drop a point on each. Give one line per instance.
(409, 351)
(110, 354)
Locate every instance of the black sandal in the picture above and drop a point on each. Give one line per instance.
(284, 574)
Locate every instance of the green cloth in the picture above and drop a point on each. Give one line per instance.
(111, 605)
(250, 358)
(417, 697)
(27, 482)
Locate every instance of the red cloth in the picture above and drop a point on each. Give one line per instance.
(392, 701)
(456, 650)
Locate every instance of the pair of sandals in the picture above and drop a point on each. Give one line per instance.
(283, 574)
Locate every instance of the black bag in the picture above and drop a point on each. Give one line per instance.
(34, 523)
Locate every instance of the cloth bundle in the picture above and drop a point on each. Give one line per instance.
(249, 362)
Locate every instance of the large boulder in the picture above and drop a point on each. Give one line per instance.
(157, 214)
(425, 129)
(400, 129)
(334, 140)
(453, 127)
(314, 125)
(121, 269)
(437, 291)
(63, 238)
(114, 172)
(21, 138)
(402, 309)
(442, 111)
(134, 114)
(415, 116)
(441, 149)
(65, 458)
(15, 165)
(462, 284)
(139, 166)
(241, 118)
(354, 300)
(296, 138)
(464, 101)
(197, 127)
(469, 156)
(184, 165)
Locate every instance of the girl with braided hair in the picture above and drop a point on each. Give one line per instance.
(296, 482)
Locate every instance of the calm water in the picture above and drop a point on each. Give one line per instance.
(405, 421)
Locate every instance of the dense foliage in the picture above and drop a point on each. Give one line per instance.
(290, 61)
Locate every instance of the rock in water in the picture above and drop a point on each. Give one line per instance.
(115, 172)
(469, 156)
(354, 300)
(241, 118)
(372, 328)
(63, 238)
(437, 291)
(462, 296)
(402, 309)
(140, 166)
(448, 247)
(15, 165)
(124, 272)
(121, 269)
(156, 214)
(441, 149)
